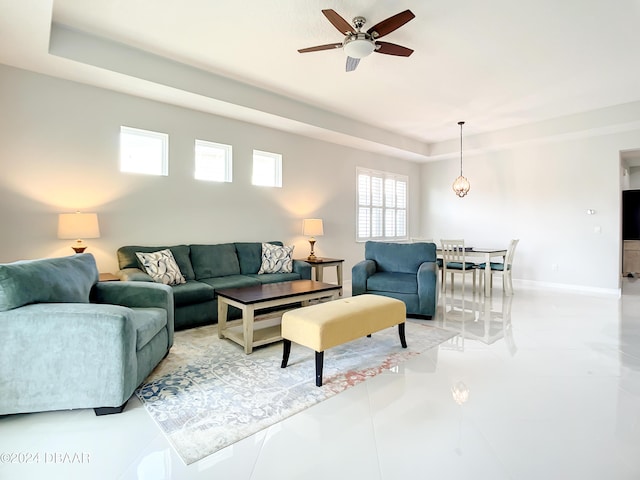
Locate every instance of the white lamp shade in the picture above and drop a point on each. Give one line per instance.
(312, 227)
(78, 225)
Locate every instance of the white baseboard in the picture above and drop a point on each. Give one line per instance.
(567, 287)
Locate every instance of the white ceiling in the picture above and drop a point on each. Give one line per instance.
(496, 64)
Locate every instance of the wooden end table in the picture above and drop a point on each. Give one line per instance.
(251, 299)
(319, 263)
(108, 277)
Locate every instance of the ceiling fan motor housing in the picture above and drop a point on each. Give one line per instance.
(359, 22)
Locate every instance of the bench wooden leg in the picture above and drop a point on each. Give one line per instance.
(286, 350)
(319, 363)
(403, 340)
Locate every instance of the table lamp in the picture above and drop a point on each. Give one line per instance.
(310, 228)
(78, 225)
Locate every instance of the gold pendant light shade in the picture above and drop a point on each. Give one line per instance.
(461, 186)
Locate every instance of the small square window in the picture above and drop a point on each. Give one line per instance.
(213, 161)
(144, 151)
(267, 169)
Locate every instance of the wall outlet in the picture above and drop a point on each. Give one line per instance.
(554, 267)
(597, 230)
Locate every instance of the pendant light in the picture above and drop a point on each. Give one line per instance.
(461, 185)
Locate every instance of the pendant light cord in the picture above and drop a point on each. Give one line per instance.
(461, 124)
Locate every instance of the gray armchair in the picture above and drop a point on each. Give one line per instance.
(406, 271)
(70, 342)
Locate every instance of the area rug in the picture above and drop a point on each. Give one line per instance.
(207, 394)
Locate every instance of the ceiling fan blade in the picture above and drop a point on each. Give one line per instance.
(329, 46)
(392, 49)
(352, 63)
(337, 21)
(387, 26)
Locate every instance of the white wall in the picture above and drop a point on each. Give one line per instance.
(59, 153)
(538, 192)
(633, 176)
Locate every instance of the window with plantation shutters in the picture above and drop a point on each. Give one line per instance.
(382, 205)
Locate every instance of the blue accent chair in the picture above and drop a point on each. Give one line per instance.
(405, 271)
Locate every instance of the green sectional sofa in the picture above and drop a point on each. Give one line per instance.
(69, 341)
(208, 268)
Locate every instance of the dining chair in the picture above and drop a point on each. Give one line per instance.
(503, 268)
(454, 262)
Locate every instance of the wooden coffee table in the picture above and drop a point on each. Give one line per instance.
(246, 331)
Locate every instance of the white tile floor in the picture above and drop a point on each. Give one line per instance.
(553, 393)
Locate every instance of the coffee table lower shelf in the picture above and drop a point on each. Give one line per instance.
(265, 331)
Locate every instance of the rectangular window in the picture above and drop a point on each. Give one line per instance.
(382, 205)
(267, 169)
(144, 151)
(213, 161)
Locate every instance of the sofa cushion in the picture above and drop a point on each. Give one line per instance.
(231, 281)
(192, 292)
(214, 260)
(393, 282)
(399, 257)
(127, 258)
(147, 323)
(250, 256)
(161, 266)
(276, 259)
(49, 280)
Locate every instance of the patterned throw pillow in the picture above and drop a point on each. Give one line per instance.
(276, 259)
(162, 267)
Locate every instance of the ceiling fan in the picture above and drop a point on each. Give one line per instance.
(358, 44)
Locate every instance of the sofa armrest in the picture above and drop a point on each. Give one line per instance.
(360, 272)
(133, 275)
(137, 295)
(428, 287)
(303, 268)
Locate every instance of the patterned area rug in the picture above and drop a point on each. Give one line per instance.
(207, 394)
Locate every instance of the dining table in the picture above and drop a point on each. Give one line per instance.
(485, 255)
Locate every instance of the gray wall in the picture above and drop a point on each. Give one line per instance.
(59, 153)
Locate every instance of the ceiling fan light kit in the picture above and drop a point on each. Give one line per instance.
(358, 44)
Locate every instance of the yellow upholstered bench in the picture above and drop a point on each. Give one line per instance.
(329, 324)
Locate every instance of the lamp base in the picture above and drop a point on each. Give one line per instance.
(312, 242)
(79, 246)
